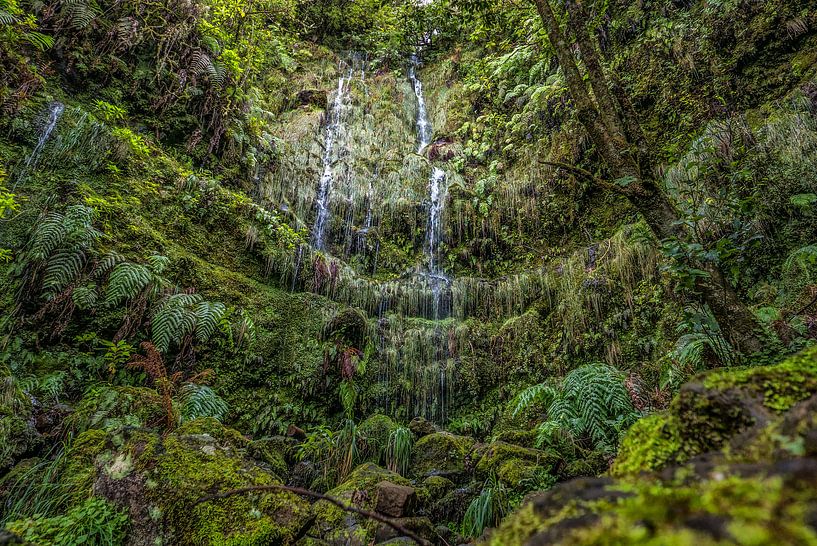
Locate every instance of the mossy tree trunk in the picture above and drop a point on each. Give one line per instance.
(611, 122)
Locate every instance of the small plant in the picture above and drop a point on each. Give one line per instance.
(398, 451)
(486, 510)
(168, 385)
(95, 521)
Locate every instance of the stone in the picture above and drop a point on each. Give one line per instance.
(420, 426)
(395, 500)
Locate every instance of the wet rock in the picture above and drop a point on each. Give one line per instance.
(441, 454)
(311, 97)
(420, 426)
(420, 526)
(395, 500)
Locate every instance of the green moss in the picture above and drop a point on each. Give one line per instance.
(440, 453)
(374, 433)
(781, 385)
(650, 444)
(497, 454)
(753, 509)
(190, 466)
(333, 523)
(110, 408)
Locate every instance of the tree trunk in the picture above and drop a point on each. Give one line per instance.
(738, 323)
(630, 162)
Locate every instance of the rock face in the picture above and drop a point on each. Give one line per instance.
(394, 500)
(733, 461)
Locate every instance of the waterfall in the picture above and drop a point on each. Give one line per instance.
(54, 112)
(334, 127)
(437, 193)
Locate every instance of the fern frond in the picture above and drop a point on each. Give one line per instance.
(85, 296)
(201, 401)
(127, 280)
(542, 393)
(62, 269)
(208, 315)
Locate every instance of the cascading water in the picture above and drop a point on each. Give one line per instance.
(437, 192)
(54, 113)
(334, 127)
(55, 110)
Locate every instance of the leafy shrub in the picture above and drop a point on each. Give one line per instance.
(95, 521)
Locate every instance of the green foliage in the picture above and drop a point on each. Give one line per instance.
(183, 315)
(590, 403)
(200, 401)
(487, 510)
(398, 452)
(95, 521)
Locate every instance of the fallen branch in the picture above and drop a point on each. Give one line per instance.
(319, 496)
(582, 173)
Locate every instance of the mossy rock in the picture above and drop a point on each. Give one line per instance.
(761, 504)
(160, 479)
(432, 489)
(524, 438)
(726, 407)
(441, 454)
(347, 327)
(495, 455)
(359, 489)
(17, 437)
(272, 451)
(779, 386)
(374, 433)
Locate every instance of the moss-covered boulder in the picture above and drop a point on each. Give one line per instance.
(432, 489)
(514, 464)
(160, 480)
(442, 454)
(718, 409)
(757, 504)
(733, 461)
(374, 437)
(337, 526)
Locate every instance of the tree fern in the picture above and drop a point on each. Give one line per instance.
(201, 401)
(85, 296)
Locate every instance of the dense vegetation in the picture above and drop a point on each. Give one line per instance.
(388, 271)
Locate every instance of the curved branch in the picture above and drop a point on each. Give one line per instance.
(582, 173)
(319, 496)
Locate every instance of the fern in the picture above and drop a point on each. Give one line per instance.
(85, 296)
(592, 402)
(127, 280)
(208, 315)
(542, 393)
(201, 401)
(802, 261)
(182, 315)
(62, 269)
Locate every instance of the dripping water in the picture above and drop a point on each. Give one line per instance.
(333, 129)
(55, 110)
(54, 113)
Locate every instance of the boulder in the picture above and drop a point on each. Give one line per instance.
(442, 454)
(394, 500)
(420, 526)
(420, 426)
